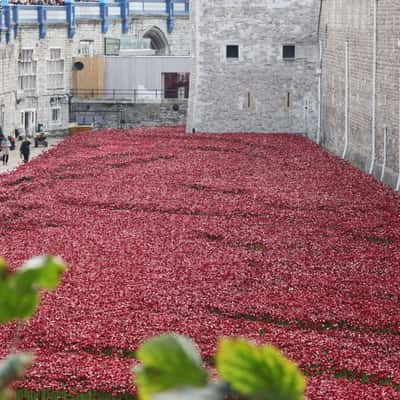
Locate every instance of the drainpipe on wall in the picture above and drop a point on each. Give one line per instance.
(373, 128)
(195, 16)
(319, 92)
(346, 101)
(398, 178)
(306, 116)
(385, 131)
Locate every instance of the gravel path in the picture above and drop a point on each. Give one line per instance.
(15, 160)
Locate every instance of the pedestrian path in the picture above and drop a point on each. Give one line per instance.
(15, 159)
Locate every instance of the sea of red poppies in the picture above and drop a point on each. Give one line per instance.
(263, 236)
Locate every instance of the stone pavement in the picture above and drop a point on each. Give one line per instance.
(15, 160)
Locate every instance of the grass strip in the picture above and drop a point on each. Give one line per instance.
(45, 394)
(306, 325)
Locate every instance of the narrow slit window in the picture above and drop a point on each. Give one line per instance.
(288, 52)
(232, 51)
(288, 100)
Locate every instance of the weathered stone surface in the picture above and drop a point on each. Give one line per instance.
(353, 22)
(251, 93)
(128, 115)
(12, 101)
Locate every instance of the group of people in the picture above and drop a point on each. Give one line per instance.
(41, 2)
(38, 2)
(7, 144)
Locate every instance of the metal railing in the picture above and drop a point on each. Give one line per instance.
(132, 95)
(13, 15)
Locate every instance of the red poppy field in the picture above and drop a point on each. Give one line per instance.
(263, 236)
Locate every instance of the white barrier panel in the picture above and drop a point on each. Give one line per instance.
(114, 11)
(27, 15)
(151, 7)
(155, 7)
(179, 7)
(135, 6)
(87, 11)
(56, 14)
(127, 73)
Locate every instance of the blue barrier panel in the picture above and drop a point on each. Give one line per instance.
(70, 8)
(104, 16)
(7, 18)
(42, 21)
(15, 21)
(170, 15)
(124, 4)
(12, 16)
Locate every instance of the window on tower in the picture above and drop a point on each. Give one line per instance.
(232, 51)
(288, 52)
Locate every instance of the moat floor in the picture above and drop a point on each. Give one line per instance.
(263, 236)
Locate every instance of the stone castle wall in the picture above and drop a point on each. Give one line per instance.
(128, 115)
(351, 105)
(13, 101)
(353, 22)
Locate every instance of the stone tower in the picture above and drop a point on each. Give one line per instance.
(255, 66)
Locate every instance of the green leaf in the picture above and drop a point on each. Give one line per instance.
(7, 394)
(261, 373)
(209, 392)
(19, 290)
(13, 368)
(169, 362)
(43, 271)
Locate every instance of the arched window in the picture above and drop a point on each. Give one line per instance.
(158, 41)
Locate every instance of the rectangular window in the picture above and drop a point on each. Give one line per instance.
(176, 85)
(288, 52)
(86, 48)
(56, 115)
(181, 92)
(55, 110)
(28, 122)
(232, 51)
(27, 68)
(55, 70)
(2, 116)
(182, 77)
(111, 46)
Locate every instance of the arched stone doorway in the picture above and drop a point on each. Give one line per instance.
(158, 41)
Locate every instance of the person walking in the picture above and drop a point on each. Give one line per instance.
(25, 149)
(11, 138)
(5, 148)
